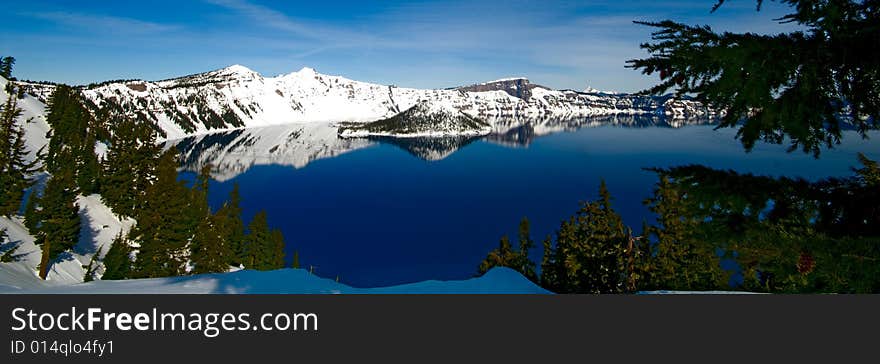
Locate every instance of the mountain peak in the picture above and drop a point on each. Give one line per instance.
(238, 69)
(592, 90)
(307, 70)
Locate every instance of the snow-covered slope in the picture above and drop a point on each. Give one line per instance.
(33, 118)
(237, 97)
(285, 281)
(99, 228)
(425, 119)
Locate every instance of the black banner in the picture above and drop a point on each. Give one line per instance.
(451, 328)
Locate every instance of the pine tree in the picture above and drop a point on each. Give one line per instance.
(74, 132)
(505, 256)
(590, 252)
(69, 120)
(256, 240)
(6, 65)
(264, 248)
(209, 250)
(93, 264)
(165, 224)
(8, 255)
(14, 169)
(130, 166)
(525, 265)
(59, 219)
(276, 243)
(117, 261)
(31, 214)
(228, 220)
(549, 268)
(801, 87)
(88, 175)
(295, 262)
(681, 259)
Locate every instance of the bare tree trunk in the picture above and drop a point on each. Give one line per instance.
(44, 259)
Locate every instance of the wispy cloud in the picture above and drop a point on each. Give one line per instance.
(102, 22)
(265, 16)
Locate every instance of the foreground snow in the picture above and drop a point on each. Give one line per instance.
(99, 227)
(285, 281)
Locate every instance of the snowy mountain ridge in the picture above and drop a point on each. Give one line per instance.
(238, 97)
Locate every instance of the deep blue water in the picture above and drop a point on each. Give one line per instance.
(380, 216)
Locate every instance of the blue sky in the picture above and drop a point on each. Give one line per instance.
(426, 44)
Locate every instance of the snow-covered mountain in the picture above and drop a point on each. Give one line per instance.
(237, 97)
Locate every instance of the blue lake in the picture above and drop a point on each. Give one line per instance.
(382, 214)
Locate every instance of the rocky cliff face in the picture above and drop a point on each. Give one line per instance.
(517, 87)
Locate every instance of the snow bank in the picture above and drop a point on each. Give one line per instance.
(99, 228)
(287, 281)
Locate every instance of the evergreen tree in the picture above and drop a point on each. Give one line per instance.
(228, 221)
(14, 169)
(8, 255)
(549, 274)
(805, 85)
(130, 166)
(788, 235)
(6, 65)
(74, 131)
(93, 264)
(209, 250)
(31, 214)
(264, 248)
(295, 262)
(505, 256)
(276, 243)
(590, 252)
(69, 121)
(165, 224)
(680, 259)
(525, 265)
(117, 261)
(88, 175)
(256, 242)
(59, 220)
